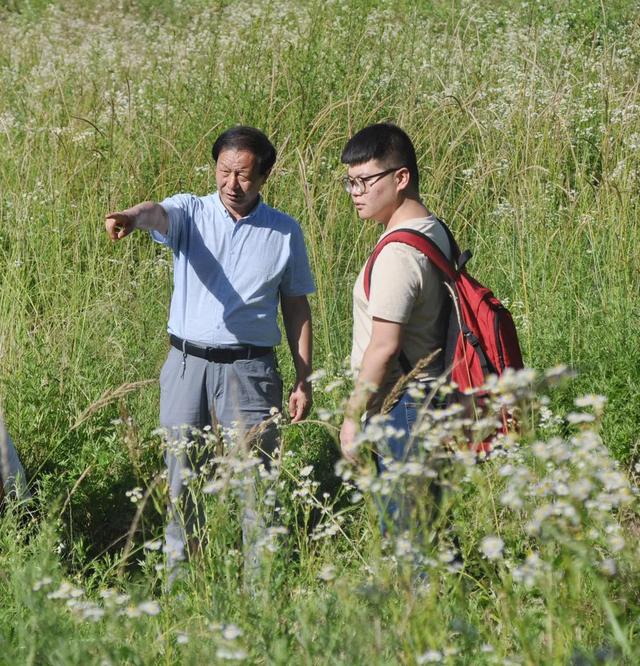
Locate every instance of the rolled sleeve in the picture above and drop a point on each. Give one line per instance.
(179, 210)
(395, 284)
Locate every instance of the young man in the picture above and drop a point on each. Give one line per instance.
(234, 259)
(408, 306)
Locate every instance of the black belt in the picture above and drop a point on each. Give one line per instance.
(219, 354)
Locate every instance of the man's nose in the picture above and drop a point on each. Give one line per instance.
(233, 181)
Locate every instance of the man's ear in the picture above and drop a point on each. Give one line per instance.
(403, 178)
(266, 175)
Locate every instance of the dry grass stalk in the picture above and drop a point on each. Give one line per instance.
(108, 397)
(402, 383)
(73, 490)
(134, 524)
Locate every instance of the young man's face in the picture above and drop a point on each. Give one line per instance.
(238, 181)
(374, 198)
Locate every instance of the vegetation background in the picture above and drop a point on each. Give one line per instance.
(526, 119)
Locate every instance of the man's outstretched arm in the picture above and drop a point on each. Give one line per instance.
(146, 215)
(296, 315)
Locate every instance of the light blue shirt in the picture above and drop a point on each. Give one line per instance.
(228, 275)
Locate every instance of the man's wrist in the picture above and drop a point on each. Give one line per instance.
(302, 383)
(133, 214)
(144, 215)
(354, 410)
(358, 402)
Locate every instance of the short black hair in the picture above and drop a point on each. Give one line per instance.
(243, 137)
(386, 143)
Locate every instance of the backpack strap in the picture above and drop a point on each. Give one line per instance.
(485, 364)
(429, 248)
(420, 242)
(455, 248)
(405, 363)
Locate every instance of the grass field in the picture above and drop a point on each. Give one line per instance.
(526, 119)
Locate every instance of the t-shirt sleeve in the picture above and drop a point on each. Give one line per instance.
(297, 279)
(396, 282)
(179, 209)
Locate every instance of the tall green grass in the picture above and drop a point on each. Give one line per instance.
(526, 118)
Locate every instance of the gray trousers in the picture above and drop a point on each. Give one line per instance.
(195, 393)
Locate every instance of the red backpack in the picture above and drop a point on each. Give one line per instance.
(482, 338)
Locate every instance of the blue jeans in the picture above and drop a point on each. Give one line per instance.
(396, 507)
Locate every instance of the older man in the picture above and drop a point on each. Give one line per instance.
(234, 259)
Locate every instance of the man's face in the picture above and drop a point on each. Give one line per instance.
(378, 200)
(238, 181)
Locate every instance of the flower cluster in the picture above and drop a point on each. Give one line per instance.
(112, 604)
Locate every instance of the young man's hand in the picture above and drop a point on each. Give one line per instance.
(348, 434)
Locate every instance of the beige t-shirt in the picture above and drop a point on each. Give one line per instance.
(407, 289)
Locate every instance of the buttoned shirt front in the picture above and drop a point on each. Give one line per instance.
(228, 275)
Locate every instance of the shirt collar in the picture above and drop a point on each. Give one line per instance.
(227, 215)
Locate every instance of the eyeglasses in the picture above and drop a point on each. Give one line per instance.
(358, 185)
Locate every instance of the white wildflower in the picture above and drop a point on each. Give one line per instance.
(581, 489)
(613, 480)
(511, 499)
(231, 631)
(557, 374)
(446, 555)
(66, 591)
(608, 567)
(231, 655)
(317, 375)
(492, 547)
(596, 401)
(43, 582)
(575, 418)
(333, 385)
(114, 597)
(541, 450)
(615, 542)
(134, 495)
(327, 573)
(149, 607)
(86, 610)
(529, 571)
